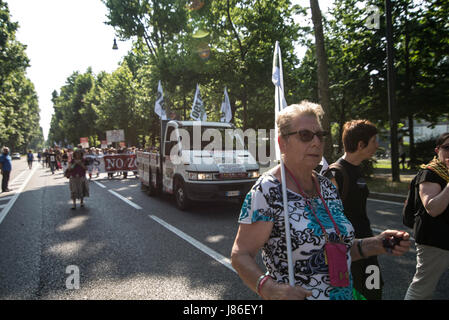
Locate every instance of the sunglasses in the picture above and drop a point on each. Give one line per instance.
(307, 135)
(445, 147)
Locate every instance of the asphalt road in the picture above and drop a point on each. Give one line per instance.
(126, 245)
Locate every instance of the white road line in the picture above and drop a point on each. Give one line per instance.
(19, 176)
(8, 207)
(215, 255)
(132, 204)
(100, 184)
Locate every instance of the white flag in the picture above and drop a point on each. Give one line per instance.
(324, 165)
(278, 81)
(198, 112)
(277, 78)
(159, 105)
(226, 113)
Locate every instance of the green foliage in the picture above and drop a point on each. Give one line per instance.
(19, 110)
(230, 43)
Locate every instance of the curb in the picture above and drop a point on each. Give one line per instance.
(388, 196)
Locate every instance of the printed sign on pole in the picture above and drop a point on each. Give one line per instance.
(115, 136)
(84, 142)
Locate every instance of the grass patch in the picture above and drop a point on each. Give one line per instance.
(384, 184)
(382, 164)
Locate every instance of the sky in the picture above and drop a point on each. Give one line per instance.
(64, 36)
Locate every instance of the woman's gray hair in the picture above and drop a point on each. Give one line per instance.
(288, 114)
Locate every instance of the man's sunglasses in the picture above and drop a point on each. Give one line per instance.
(307, 135)
(445, 147)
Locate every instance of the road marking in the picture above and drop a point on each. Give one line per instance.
(100, 184)
(11, 202)
(132, 204)
(388, 202)
(19, 176)
(215, 255)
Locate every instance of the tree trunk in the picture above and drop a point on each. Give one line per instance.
(323, 76)
(407, 90)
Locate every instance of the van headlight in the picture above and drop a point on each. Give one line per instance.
(253, 174)
(200, 176)
(204, 176)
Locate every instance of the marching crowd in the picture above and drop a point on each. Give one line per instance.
(59, 158)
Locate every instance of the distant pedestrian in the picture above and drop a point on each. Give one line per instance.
(360, 143)
(52, 160)
(30, 158)
(64, 160)
(79, 187)
(402, 153)
(432, 223)
(6, 167)
(111, 151)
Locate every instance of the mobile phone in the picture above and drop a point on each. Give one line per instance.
(389, 242)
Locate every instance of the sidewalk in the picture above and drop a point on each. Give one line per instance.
(405, 176)
(387, 196)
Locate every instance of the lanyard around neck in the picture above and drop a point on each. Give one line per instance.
(301, 192)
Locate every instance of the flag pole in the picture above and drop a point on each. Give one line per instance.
(279, 105)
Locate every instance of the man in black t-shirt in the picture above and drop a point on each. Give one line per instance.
(360, 143)
(432, 224)
(52, 160)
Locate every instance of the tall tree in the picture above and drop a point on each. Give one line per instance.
(323, 74)
(19, 110)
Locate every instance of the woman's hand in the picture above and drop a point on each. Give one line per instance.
(271, 290)
(399, 249)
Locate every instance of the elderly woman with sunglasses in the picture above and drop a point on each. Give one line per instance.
(322, 238)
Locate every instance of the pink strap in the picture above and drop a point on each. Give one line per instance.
(311, 207)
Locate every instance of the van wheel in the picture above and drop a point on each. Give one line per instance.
(182, 201)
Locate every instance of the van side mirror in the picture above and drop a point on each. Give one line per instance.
(168, 146)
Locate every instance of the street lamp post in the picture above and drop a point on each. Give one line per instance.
(392, 110)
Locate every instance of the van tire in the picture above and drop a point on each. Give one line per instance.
(182, 201)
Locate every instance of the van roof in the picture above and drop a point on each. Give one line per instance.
(204, 123)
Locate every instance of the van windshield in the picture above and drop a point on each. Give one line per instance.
(210, 138)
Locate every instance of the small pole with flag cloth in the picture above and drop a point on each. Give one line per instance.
(226, 113)
(280, 103)
(198, 112)
(159, 108)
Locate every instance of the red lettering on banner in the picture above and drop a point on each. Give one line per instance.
(120, 162)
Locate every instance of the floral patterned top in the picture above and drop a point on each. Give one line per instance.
(264, 203)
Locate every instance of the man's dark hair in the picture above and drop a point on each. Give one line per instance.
(355, 131)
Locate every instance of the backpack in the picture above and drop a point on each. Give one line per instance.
(412, 204)
(344, 190)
